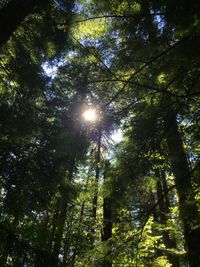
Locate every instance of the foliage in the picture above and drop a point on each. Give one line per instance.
(64, 183)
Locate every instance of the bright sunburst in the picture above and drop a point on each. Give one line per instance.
(90, 115)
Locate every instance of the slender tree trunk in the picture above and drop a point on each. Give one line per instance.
(107, 212)
(164, 209)
(107, 220)
(78, 245)
(62, 214)
(97, 173)
(60, 226)
(13, 14)
(187, 205)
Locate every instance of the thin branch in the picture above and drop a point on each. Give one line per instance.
(128, 16)
(96, 56)
(150, 87)
(151, 61)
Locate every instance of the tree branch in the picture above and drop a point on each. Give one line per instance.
(125, 16)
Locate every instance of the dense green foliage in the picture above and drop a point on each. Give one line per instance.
(70, 195)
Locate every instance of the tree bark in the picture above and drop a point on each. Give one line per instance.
(13, 14)
(187, 204)
(107, 220)
(62, 213)
(164, 209)
(97, 172)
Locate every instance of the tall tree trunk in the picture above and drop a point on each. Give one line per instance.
(107, 220)
(97, 173)
(187, 205)
(60, 225)
(13, 14)
(77, 243)
(62, 214)
(164, 210)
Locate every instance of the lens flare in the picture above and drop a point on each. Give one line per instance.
(89, 115)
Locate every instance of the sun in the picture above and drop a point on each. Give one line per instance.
(89, 115)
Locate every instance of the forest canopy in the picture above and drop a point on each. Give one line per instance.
(99, 139)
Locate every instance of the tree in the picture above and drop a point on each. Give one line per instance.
(14, 13)
(136, 63)
(161, 78)
(188, 209)
(107, 216)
